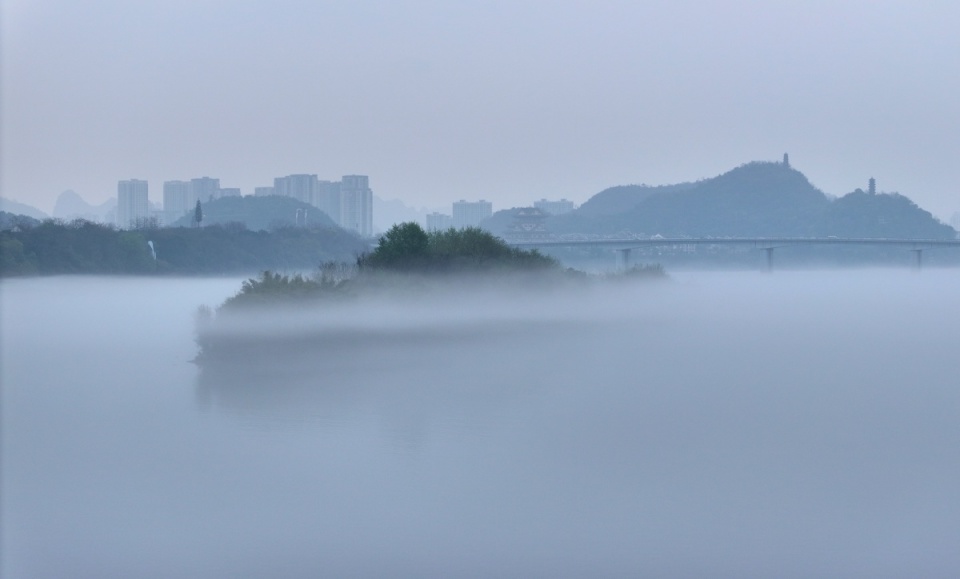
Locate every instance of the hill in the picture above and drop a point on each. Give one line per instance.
(18, 208)
(762, 199)
(10, 221)
(54, 247)
(862, 214)
(623, 198)
(259, 213)
(71, 206)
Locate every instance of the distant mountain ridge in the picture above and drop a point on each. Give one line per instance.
(621, 198)
(70, 205)
(758, 199)
(17, 208)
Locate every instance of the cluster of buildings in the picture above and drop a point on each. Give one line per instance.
(554, 207)
(473, 213)
(180, 197)
(349, 202)
(465, 214)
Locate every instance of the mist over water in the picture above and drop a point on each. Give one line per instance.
(719, 424)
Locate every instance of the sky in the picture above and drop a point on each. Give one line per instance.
(509, 101)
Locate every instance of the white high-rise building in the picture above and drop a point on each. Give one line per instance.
(176, 200)
(356, 204)
(327, 199)
(471, 213)
(263, 191)
(133, 204)
(203, 189)
(300, 187)
(554, 207)
(439, 222)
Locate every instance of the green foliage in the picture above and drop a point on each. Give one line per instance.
(10, 221)
(197, 214)
(404, 247)
(12, 259)
(78, 246)
(271, 288)
(56, 247)
(407, 247)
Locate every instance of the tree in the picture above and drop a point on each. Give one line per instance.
(403, 247)
(407, 247)
(197, 215)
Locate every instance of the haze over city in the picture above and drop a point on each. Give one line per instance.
(718, 344)
(505, 101)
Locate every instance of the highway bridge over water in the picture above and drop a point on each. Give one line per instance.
(624, 245)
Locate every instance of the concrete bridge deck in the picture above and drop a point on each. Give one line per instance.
(767, 244)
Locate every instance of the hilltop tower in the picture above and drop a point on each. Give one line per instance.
(786, 160)
(872, 186)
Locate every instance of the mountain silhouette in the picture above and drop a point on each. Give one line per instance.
(758, 199)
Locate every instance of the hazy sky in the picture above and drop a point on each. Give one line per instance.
(509, 101)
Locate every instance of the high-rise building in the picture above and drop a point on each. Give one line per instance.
(300, 187)
(263, 191)
(356, 204)
(229, 192)
(176, 200)
(471, 213)
(327, 199)
(133, 204)
(203, 189)
(439, 222)
(554, 207)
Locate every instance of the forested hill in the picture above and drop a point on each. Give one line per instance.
(757, 199)
(259, 213)
(623, 198)
(10, 221)
(79, 246)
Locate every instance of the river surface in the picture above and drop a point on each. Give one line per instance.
(797, 424)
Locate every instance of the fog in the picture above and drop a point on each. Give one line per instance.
(792, 424)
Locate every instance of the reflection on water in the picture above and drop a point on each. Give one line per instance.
(723, 424)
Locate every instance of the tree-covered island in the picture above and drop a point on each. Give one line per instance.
(408, 264)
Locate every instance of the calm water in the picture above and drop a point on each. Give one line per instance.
(795, 424)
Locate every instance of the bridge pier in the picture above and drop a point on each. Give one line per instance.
(918, 253)
(623, 258)
(769, 252)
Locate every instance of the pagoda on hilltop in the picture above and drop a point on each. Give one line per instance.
(528, 224)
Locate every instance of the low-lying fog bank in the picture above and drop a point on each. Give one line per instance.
(274, 316)
(796, 424)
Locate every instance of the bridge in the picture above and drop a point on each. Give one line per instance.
(623, 245)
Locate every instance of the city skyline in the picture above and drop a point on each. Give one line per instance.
(510, 102)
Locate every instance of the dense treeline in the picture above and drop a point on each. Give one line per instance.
(15, 221)
(55, 247)
(407, 263)
(407, 247)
